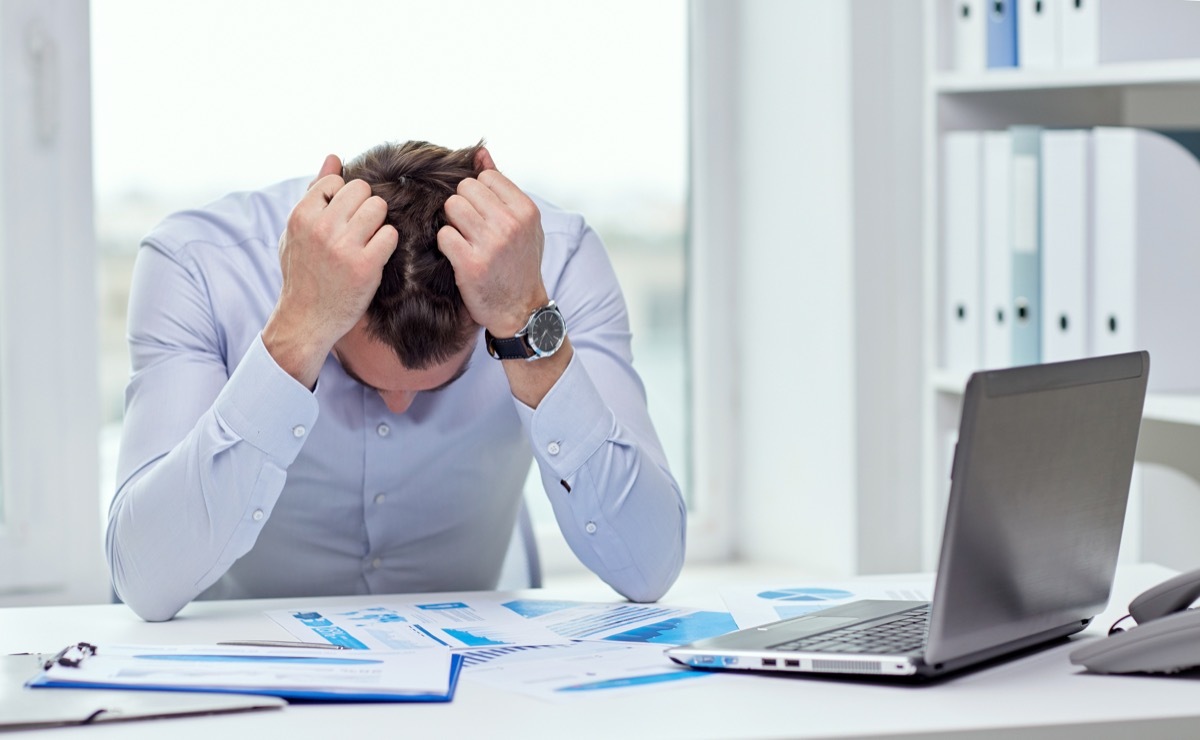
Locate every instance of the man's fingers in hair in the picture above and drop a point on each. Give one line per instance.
(382, 244)
(452, 244)
(505, 189)
(463, 215)
(365, 222)
(483, 199)
(348, 200)
(483, 159)
(331, 166)
(320, 194)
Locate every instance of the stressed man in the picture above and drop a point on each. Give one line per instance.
(338, 386)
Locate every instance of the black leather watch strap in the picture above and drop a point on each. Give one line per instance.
(512, 348)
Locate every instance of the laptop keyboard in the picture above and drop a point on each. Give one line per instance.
(904, 633)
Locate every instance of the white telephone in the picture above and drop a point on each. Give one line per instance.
(1165, 640)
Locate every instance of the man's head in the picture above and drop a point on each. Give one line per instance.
(417, 311)
(416, 335)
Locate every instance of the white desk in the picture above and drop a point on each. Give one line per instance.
(1041, 696)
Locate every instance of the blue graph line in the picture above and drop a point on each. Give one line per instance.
(616, 683)
(430, 635)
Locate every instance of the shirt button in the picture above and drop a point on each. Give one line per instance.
(258, 515)
(380, 498)
(376, 562)
(298, 431)
(590, 528)
(553, 448)
(383, 430)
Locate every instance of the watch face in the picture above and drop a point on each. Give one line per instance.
(546, 332)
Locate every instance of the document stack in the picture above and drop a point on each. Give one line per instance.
(1062, 244)
(1048, 34)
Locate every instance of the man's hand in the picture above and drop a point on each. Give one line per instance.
(493, 239)
(332, 255)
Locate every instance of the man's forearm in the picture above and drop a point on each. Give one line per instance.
(185, 513)
(618, 506)
(531, 381)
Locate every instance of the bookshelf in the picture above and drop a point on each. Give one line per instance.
(1141, 94)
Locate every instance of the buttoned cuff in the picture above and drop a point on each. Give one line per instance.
(266, 407)
(571, 423)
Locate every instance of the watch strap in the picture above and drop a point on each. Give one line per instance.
(511, 348)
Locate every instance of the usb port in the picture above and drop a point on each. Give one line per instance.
(791, 663)
(769, 661)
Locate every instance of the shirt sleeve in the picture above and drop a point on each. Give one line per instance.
(204, 453)
(601, 463)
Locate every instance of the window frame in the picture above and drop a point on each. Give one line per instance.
(49, 539)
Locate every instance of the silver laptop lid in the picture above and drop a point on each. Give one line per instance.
(1037, 502)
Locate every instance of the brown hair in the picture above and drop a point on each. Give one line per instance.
(417, 311)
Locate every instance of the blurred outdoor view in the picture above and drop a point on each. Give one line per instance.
(583, 103)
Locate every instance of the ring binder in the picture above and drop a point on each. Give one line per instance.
(72, 655)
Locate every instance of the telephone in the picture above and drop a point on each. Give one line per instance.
(1165, 640)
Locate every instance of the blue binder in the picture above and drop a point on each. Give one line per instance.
(1001, 33)
(289, 674)
(1026, 236)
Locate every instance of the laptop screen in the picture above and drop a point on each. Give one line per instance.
(1037, 501)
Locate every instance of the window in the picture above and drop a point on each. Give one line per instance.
(583, 103)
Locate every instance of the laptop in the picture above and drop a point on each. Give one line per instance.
(1038, 491)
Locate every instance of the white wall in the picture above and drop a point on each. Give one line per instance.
(824, 161)
(797, 350)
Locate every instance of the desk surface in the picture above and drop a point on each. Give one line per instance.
(1042, 694)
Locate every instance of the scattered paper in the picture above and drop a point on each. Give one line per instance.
(565, 672)
(753, 606)
(402, 626)
(647, 623)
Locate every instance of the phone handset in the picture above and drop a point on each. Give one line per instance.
(1165, 640)
(1172, 595)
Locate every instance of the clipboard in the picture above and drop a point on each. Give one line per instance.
(22, 708)
(419, 675)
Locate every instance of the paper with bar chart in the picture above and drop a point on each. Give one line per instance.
(624, 622)
(400, 626)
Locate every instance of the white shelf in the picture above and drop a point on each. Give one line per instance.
(1174, 72)
(1176, 408)
(1153, 94)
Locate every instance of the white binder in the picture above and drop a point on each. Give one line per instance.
(1066, 244)
(1026, 238)
(1037, 34)
(1102, 31)
(1147, 253)
(969, 23)
(997, 249)
(961, 318)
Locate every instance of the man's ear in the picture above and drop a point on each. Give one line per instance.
(331, 166)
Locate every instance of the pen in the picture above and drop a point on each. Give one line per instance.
(284, 644)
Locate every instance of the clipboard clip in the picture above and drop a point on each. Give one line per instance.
(72, 655)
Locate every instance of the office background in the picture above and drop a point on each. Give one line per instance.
(790, 288)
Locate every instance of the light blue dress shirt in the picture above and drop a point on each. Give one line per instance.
(235, 481)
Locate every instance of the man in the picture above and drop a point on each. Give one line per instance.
(316, 406)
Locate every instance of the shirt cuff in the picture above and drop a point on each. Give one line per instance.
(265, 406)
(570, 423)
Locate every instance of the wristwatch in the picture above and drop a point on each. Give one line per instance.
(542, 336)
